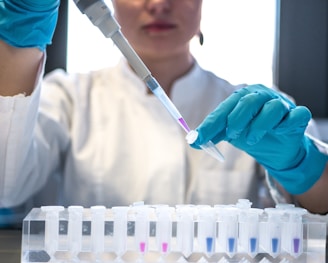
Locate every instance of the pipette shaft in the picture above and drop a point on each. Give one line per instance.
(100, 15)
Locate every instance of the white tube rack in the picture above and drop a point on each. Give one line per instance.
(184, 233)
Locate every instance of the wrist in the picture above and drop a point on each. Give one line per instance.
(305, 174)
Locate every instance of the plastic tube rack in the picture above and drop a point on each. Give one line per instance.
(184, 233)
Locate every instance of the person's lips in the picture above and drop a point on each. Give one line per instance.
(158, 26)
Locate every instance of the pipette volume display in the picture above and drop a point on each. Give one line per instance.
(100, 16)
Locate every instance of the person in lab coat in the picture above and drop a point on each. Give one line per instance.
(101, 138)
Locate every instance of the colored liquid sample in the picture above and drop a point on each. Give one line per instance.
(274, 245)
(296, 242)
(184, 125)
(253, 244)
(142, 247)
(209, 244)
(165, 247)
(231, 244)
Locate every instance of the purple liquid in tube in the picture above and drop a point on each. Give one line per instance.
(184, 125)
(296, 242)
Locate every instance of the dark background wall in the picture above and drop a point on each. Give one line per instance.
(302, 53)
(57, 51)
(301, 61)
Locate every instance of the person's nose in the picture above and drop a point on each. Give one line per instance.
(159, 6)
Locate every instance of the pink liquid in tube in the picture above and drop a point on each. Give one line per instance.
(142, 247)
(164, 247)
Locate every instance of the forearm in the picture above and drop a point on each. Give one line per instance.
(316, 198)
(26, 28)
(18, 69)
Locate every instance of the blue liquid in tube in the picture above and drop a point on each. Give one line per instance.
(231, 244)
(274, 243)
(253, 244)
(209, 244)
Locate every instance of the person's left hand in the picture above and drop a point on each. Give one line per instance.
(269, 127)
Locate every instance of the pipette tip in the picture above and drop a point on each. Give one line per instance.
(208, 147)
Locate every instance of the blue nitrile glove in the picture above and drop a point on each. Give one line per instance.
(269, 127)
(28, 23)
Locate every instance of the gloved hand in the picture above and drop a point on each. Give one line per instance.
(269, 127)
(28, 23)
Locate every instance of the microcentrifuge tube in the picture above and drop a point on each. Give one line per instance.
(142, 228)
(164, 228)
(228, 228)
(120, 229)
(98, 229)
(75, 214)
(51, 235)
(185, 229)
(243, 204)
(249, 230)
(208, 147)
(292, 234)
(284, 206)
(207, 230)
(273, 228)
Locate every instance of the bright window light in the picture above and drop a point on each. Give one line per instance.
(239, 38)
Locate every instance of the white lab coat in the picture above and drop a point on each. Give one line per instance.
(101, 139)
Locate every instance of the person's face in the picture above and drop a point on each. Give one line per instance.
(159, 27)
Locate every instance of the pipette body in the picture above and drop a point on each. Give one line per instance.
(100, 15)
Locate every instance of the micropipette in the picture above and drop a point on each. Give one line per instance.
(100, 15)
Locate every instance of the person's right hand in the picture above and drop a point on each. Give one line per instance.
(28, 23)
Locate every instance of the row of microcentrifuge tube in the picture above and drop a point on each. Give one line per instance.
(187, 229)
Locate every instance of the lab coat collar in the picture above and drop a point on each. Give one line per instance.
(192, 76)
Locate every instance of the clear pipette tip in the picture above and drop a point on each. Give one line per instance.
(208, 147)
